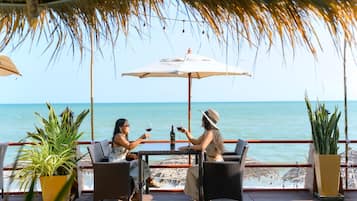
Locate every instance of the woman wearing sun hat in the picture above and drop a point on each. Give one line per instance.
(210, 141)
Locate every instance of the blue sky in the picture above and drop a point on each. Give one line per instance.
(66, 80)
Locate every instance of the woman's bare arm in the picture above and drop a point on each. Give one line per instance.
(121, 140)
(191, 138)
(205, 139)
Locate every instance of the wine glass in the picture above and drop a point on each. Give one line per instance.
(148, 127)
(179, 126)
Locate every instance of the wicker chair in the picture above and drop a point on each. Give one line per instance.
(224, 179)
(238, 151)
(111, 180)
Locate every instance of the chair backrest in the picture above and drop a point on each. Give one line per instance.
(95, 152)
(224, 179)
(112, 180)
(105, 148)
(243, 157)
(240, 146)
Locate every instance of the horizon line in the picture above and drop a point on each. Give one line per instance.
(173, 102)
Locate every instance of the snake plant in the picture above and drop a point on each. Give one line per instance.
(324, 128)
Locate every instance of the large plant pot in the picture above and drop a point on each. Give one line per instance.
(51, 186)
(327, 169)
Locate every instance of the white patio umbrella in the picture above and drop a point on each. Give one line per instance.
(191, 66)
(7, 67)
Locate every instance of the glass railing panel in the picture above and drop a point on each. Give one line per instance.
(87, 180)
(352, 178)
(255, 177)
(279, 178)
(278, 153)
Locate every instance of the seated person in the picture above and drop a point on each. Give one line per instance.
(120, 152)
(210, 141)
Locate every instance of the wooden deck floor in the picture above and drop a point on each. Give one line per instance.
(248, 196)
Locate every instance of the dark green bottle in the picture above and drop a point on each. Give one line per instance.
(172, 137)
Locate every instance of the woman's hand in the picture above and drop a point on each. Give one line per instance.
(187, 133)
(182, 130)
(130, 157)
(145, 136)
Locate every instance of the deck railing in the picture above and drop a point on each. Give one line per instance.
(347, 167)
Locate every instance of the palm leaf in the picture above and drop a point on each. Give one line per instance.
(52, 150)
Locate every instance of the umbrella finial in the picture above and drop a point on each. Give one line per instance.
(189, 51)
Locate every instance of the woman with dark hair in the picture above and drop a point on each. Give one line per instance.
(121, 147)
(210, 141)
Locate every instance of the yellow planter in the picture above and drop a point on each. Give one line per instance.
(327, 169)
(51, 186)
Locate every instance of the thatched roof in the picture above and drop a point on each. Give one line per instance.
(71, 21)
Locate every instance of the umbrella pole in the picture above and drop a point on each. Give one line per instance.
(189, 110)
(91, 84)
(189, 101)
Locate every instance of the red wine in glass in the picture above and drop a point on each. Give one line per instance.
(148, 127)
(180, 128)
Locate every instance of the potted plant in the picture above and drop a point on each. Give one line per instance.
(51, 155)
(325, 136)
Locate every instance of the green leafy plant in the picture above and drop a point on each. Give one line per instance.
(52, 148)
(324, 128)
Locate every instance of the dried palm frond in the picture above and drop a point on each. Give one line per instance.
(290, 21)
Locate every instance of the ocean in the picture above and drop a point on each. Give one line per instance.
(246, 120)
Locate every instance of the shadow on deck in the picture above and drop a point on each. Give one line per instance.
(248, 196)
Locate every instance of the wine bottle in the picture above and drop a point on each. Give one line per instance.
(172, 137)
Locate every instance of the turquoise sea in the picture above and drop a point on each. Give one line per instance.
(247, 120)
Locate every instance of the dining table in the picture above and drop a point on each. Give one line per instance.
(165, 149)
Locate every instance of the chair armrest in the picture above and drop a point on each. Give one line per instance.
(222, 164)
(229, 153)
(105, 159)
(112, 164)
(235, 158)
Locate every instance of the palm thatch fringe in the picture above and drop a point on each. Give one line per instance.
(292, 22)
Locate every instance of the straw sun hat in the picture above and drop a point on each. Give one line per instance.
(212, 116)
